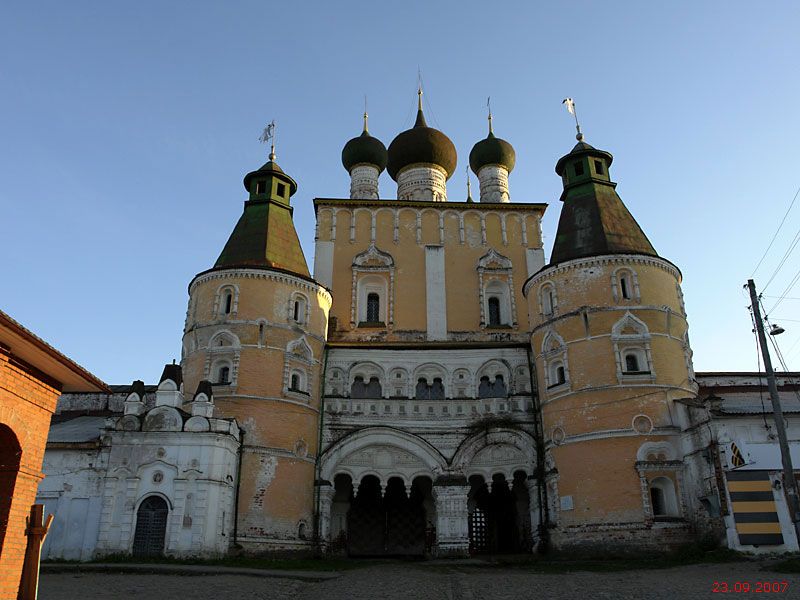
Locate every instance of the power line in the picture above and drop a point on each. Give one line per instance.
(786, 254)
(776, 233)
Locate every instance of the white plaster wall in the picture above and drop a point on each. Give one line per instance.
(435, 294)
(534, 259)
(426, 183)
(323, 263)
(494, 184)
(364, 182)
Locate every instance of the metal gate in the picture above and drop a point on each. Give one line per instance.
(151, 525)
(392, 525)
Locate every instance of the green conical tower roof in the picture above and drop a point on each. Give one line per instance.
(593, 220)
(265, 235)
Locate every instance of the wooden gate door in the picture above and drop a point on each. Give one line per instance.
(151, 525)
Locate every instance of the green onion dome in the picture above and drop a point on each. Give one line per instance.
(364, 149)
(421, 144)
(492, 151)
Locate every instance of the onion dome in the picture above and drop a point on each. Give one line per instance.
(421, 144)
(492, 151)
(364, 150)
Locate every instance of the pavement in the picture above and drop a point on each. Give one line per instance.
(396, 580)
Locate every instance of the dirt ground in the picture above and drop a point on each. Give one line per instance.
(408, 581)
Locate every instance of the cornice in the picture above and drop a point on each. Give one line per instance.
(600, 261)
(262, 273)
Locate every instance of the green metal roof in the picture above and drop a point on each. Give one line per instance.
(594, 220)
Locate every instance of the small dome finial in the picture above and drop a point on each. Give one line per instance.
(489, 106)
(469, 187)
(365, 115)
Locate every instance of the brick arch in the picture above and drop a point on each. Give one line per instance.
(15, 422)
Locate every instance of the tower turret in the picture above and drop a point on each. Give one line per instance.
(610, 340)
(255, 330)
(365, 158)
(421, 160)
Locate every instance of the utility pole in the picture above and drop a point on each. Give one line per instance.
(780, 426)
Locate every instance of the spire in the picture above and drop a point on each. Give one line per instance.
(365, 116)
(420, 116)
(269, 134)
(469, 191)
(571, 108)
(489, 106)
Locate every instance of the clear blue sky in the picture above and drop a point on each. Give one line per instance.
(127, 128)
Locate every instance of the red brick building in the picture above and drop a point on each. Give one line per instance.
(32, 376)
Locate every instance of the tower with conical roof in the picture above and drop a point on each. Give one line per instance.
(611, 348)
(255, 328)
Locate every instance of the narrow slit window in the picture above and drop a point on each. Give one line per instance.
(296, 310)
(598, 167)
(295, 385)
(494, 311)
(373, 308)
(228, 303)
(224, 375)
(631, 363)
(281, 190)
(560, 376)
(578, 166)
(624, 287)
(260, 187)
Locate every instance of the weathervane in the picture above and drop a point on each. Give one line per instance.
(571, 108)
(269, 134)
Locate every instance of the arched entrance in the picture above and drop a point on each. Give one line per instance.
(151, 525)
(497, 519)
(10, 456)
(389, 522)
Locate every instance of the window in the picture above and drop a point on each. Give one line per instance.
(223, 376)
(281, 190)
(560, 375)
(598, 167)
(663, 498)
(557, 373)
(631, 363)
(437, 389)
(295, 385)
(578, 166)
(422, 391)
(624, 287)
(547, 300)
(260, 187)
(494, 311)
(227, 303)
(373, 308)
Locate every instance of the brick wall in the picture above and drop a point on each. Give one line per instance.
(27, 401)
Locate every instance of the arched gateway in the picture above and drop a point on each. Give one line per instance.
(387, 492)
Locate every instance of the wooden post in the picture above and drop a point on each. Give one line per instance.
(36, 532)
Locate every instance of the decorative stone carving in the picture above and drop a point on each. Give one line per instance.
(452, 519)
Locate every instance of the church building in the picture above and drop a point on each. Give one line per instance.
(436, 387)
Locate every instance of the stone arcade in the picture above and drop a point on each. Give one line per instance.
(436, 388)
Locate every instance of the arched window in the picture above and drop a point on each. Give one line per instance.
(422, 391)
(295, 385)
(298, 309)
(631, 363)
(547, 299)
(358, 389)
(498, 387)
(437, 389)
(373, 389)
(494, 311)
(227, 303)
(373, 308)
(224, 375)
(484, 388)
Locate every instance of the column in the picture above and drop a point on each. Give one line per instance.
(452, 519)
